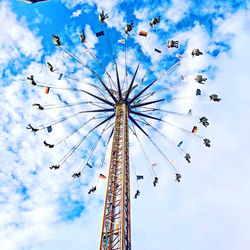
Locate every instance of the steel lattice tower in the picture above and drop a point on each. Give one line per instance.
(126, 104)
(116, 218)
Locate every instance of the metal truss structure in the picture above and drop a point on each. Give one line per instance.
(116, 218)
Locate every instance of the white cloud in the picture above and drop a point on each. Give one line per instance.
(76, 13)
(177, 10)
(92, 40)
(16, 38)
(142, 14)
(102, 4)
(116, 16)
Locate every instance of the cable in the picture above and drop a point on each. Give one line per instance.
(95, 145)
(43, 126)
(108, 41)
(158, 91)
(144, 152)
(180, 150)
(170, 163)
(169, 112)
(157, 78)
(74, 131)
(171, 124)
(103, 157)
(133, 166)
(56, 106)
(67, 155)
(130, 89)
(126, 72)
(91, 70)
(100, 64)
(184, 130)
(74, 89)
(106, 35)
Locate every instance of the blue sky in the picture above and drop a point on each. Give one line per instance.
(44, 209)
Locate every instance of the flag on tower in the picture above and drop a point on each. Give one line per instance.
(194, 129)
(60, 76)
(121, 41)
(90, 166)
(179, 56)
(101, 33)
(65, 55)
(143, 33)
(47, 90)
(157, 50)
(198, 92)
(101, 176)
(85, 51)
(49, 128)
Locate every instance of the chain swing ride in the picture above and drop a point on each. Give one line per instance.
(121, 110)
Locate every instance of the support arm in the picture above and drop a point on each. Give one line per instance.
(99, 98)
(148, 116)
(131, 84)
(118, 83)
(140, 93)
(137, 125)
(110, 117)
(146, 103)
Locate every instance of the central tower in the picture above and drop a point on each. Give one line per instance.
(116, 218)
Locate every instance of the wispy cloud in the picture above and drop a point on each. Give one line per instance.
(43, 209)
(76, 13)
(17, 39)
